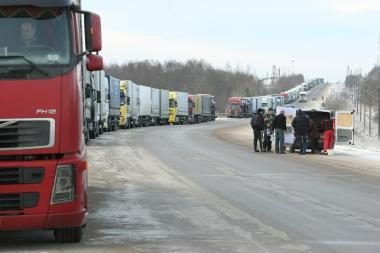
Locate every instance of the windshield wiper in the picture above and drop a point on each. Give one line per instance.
(26, 60)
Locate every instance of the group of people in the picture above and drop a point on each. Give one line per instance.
(264, 125)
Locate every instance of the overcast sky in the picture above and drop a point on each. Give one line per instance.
(323, 37)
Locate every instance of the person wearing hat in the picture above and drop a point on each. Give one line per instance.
(279, 127)
(257, 124)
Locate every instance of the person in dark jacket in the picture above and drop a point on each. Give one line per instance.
(257, 124)
(279, 127)
(313, 136)
(301, 128)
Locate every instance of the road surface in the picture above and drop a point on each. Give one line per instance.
(200, 188)
(183, 189)
(314, 97)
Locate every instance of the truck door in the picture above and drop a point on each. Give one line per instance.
(344, 127)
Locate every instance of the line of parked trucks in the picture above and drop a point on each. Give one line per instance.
(244, 107)
(112, 103)
(55, 97)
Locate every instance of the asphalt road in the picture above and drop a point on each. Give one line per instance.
(182, 189)
(200, 188)
(314, 97)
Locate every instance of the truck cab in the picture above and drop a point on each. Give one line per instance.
(178, 107)
(234, 109)
(123, 121)
(303, 97)
(44, 58)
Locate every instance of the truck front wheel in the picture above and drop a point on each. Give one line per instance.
(68, 235)
(92, 134)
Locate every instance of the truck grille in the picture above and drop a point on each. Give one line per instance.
(13, 76)
(18, 201)
(9, 176)
(21, 134)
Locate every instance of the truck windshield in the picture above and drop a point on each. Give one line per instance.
(172, 103)
(234, 106)
(123, 98)
(40, 35)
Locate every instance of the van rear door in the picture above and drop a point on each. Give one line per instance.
(344, 127)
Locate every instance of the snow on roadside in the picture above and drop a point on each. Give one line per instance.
(354, 150)
(363, 140)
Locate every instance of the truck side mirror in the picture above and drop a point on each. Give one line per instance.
(94, 62)
(93, 32)
(128, 100)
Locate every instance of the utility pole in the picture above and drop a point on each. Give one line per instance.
(361, 104)
(378, 113)
(357, 92)
(378, 52)
(274, 70)
(365, 94)
(292, 67)
(370, 119)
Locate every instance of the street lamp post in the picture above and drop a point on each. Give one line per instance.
(292, 67)
(378, 113)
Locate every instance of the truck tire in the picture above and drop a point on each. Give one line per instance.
(108, 129)
(86, 135)
(97, 131)
(92, 134)
(68, 235)
(292, 149)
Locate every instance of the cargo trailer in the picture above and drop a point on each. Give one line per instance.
(145, 105)
(164, 107)
(155, 109)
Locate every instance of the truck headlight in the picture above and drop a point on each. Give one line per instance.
(64, 184)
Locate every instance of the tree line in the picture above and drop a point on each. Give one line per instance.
(364, 92)
(199, 77)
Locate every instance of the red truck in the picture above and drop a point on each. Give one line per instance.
(237, 107)
(48, 49)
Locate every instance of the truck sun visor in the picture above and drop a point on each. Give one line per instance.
(30, 12)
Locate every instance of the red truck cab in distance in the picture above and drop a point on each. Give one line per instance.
(233, 109)
(237, 107)
(43, 165)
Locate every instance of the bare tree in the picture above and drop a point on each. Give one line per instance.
(193, 76)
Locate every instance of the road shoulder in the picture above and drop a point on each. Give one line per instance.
(343, 157)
